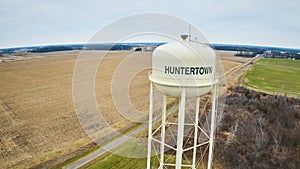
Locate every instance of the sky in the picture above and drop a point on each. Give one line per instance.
(250, 22)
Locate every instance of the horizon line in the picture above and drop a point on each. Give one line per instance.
(137, 42)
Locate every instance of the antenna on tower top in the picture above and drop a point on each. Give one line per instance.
(190, 29)
(184, 37)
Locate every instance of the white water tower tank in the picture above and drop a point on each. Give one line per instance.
(183, 64)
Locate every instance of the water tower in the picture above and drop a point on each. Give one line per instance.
(182, 70)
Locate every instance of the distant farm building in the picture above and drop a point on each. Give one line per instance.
(143, 48)
(281, 54)
(245, 52)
